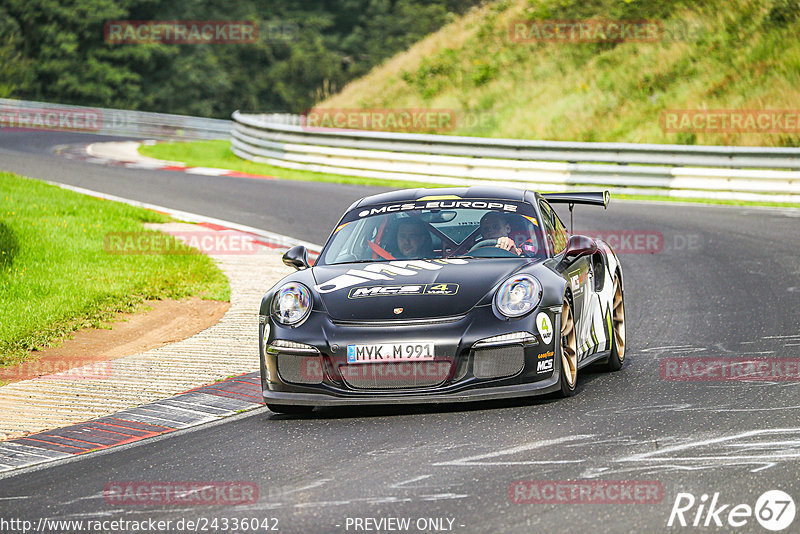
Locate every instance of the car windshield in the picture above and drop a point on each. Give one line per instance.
(416, 231)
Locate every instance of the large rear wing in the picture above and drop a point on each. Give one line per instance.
(594, 198)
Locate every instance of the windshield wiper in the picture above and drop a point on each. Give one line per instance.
(399, 259)
(359, 261)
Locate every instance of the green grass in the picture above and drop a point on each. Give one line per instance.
(705, 201)
(218, 154)
(56, 277)
(715, 54)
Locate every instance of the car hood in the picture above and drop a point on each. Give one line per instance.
(409, 289)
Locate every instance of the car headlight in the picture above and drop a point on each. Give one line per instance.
(518, 295)
(291, 303)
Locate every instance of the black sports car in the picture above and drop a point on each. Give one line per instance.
(442, 295)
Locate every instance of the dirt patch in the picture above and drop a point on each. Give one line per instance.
(130, 333)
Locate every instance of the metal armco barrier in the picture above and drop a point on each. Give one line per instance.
(720, 172)
(45, 116)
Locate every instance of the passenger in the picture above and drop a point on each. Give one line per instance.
(413, 240)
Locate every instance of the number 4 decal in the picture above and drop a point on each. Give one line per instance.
(545, 327)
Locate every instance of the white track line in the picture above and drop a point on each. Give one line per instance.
(277, 239)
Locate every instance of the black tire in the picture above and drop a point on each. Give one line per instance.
(568, 352)
(617, 356)
(289, 409)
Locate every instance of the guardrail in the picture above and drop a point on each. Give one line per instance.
(724, 172)
(45, 116)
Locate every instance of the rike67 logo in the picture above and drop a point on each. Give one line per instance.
(774, 510)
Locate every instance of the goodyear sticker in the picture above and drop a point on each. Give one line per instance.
(545, 363)
(545, 327)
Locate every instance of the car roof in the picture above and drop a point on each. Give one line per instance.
(404, 195)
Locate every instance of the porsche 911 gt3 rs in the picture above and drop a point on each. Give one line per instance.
(443, 295)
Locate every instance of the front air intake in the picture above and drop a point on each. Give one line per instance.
(396, 375)
(498, 362)
(297, 369)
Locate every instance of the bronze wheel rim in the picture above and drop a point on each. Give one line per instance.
(619, 320)
(569, 353)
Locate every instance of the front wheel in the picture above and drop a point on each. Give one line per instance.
(617, 357)
(289, 409)
(569, 351)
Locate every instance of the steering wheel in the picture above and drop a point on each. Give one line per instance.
(491, 243)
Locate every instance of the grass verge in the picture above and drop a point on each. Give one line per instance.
(56, 277)
(709, 55)
(692, 200)
(217, 154)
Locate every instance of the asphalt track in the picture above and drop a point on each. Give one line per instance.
(724, 283)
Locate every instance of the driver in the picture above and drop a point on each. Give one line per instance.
(495, 226)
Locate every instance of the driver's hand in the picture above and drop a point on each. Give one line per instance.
(506, 243)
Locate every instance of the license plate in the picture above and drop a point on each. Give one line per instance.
(390, 352)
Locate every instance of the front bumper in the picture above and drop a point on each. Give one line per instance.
(469, 395)
(454, 339)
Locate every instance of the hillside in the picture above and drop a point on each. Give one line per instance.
(710, 55)
(293, 53)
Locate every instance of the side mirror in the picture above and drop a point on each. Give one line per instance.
(580, 245)
(296, 257)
